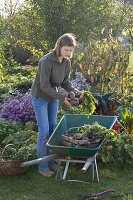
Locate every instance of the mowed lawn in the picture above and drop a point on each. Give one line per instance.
(33, 186)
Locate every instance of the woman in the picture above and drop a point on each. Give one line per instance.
(53, 71)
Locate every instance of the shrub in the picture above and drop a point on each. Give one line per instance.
(18, 109)
(24, 85)
(105, 104)
(19, 70)
(4, 88)
(23, 144)
(20, 138)
(7, 128)
(4, 91)
(118, 149)
(24, 153)
(126, 118)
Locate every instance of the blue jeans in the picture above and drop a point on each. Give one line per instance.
(46, 114)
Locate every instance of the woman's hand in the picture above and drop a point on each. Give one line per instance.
(67, 101)
(79, 94)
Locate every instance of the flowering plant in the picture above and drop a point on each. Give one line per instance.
(18, 108)
(80, 82)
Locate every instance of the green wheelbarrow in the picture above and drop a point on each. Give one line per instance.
(73, 154)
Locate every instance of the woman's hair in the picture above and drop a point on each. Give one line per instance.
(68, 39)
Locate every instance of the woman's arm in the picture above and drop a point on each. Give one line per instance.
(45, 68)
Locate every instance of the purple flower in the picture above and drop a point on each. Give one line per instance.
(18, 108)
(80, 82)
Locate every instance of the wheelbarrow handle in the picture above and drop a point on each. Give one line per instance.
(39, 160)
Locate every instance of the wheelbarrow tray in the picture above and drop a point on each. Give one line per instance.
(77, 120)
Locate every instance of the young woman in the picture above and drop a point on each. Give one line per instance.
(53, 71)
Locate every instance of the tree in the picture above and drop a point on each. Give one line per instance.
(81, 17)
(87, 19)
(37, 25)
(3, 41)
(26, 33)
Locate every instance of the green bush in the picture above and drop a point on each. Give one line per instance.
(4, 92)
(20, 77)
(22, 139)
(118, 149)
(104, 63)
(7, 128)
(22, 70)
(24, 145)
(24, 85)
(4, 88)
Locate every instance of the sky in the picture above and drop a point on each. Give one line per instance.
(2, 3)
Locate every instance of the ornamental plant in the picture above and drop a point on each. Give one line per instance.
(24, 153)
(7, 128)
(80, 82)
(126, 118)
(117, 149)
(105, 104)
(22, 144)
(18, 108)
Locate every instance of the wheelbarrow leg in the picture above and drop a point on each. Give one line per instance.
(95, 170)
(59, 171)
(95, 163)
(89, 162)
(65, 170)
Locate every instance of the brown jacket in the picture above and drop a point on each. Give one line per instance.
(50, 75)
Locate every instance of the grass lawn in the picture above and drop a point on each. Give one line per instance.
(33, 186)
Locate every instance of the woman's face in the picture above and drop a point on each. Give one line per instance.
(66, 51)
